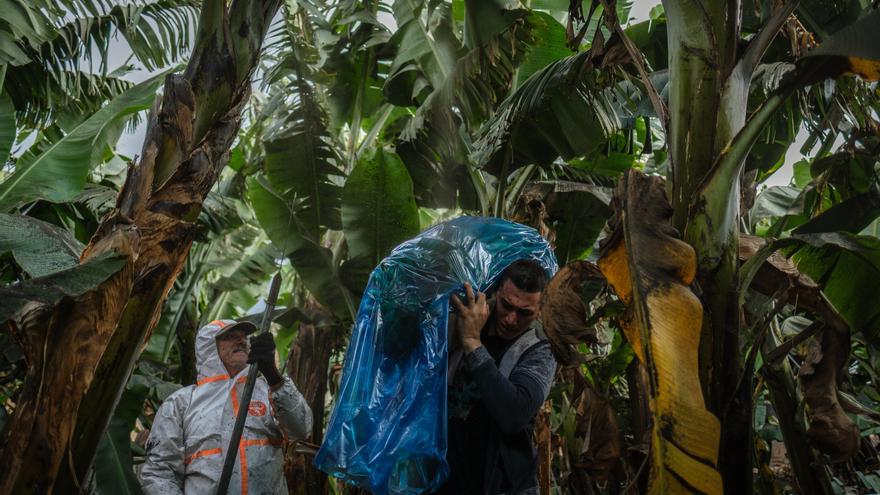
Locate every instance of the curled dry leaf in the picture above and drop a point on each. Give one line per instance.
(564, 314)
(570, 215)
(778, 271)
(530, 210)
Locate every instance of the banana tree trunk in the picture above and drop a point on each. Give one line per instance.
(709, 82)
(56, 345)
(637, 378)
(701, 43)
(545, 454)
(186, 332)
(697, 124)
(91, 344)
(308, 367)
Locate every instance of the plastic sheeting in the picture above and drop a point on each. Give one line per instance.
(387, 432)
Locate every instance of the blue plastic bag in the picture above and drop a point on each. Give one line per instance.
(387, 432)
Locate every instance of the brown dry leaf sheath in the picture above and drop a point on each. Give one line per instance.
(650, 270)
(831, 431)
(597, 425)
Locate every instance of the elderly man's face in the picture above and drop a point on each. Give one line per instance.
(233, 349)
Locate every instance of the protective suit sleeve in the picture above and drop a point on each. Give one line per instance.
(291, 411)
(163, 469)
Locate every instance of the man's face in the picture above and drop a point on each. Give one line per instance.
(233, 349)
(515, 310)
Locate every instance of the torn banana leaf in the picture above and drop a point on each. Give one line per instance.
(650, 270)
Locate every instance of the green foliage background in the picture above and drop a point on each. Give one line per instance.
(358, 135)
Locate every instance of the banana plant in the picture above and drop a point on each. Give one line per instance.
(174, 175)
(333, 219)
(684, 107)
(529, 111)
(59, 170)
(56, 53)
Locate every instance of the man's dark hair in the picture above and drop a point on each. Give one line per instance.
(526, 275)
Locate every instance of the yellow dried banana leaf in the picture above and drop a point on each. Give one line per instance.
(650, 270)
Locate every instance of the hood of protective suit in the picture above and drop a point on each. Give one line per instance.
(208, 363)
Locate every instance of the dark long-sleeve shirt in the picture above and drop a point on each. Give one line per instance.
(492, 417)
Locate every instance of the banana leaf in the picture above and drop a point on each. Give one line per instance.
(59, 173)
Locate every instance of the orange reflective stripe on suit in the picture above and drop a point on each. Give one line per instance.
(215, 378)
(242, 446)
(242, 459)
(201, 453)
(242, 456)
(234, 396)
(219, 378)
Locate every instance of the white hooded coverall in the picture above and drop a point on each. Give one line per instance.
(191, 430)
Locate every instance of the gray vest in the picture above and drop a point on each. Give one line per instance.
(523, 343)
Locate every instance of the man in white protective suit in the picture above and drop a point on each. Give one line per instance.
(191, 430)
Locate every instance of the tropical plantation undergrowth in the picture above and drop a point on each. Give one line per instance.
(717, 328)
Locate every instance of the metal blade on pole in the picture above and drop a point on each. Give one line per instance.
(241, 416)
